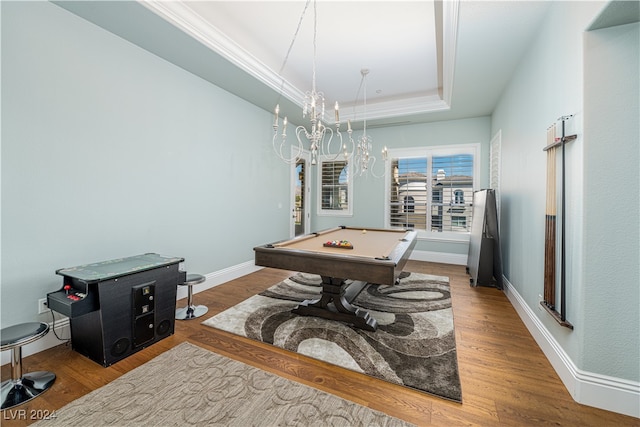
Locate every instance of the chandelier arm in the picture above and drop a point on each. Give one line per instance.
(279, 151)
(373, 164)
(299, 130)
(352, 152)
(328, 152)
(300, 151)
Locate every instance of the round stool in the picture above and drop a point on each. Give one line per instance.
(191, 311)
(22, 388)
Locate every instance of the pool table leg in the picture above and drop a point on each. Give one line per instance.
(335, 304)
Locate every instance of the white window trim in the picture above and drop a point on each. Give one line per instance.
(330, 212)
(429, 152)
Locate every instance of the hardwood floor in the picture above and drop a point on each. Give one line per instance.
(506, 380)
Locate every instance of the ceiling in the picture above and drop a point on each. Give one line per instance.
(401, 56)
(427, 60)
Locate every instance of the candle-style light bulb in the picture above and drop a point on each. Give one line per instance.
(277, 111)
(337, 108)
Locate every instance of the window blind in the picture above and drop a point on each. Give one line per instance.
(409, 195)
(334, 186)
(433, 193)
(452, 189)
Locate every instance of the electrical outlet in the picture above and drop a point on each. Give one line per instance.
(43, 307)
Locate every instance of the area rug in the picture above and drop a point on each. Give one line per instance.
(414, 344)
(189, 385)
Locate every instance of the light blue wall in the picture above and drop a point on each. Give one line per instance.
(611, 291)
(109, 151)
(369, 192)
(548, 84)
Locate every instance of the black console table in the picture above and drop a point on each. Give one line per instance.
(119, 307)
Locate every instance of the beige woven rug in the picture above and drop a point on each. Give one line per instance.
(189, 385)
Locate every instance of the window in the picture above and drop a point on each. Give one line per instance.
(409, 204)
(459, 197)
(459, 221)
(431, 188)
(335, 187)
(408, 201)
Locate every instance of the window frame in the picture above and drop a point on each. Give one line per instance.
(429, 152)
(334, 212)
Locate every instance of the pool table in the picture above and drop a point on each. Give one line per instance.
(372, 256)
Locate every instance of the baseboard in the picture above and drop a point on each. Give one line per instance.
(439, 257)
(219, 277)
(587, 388)
(50, 340)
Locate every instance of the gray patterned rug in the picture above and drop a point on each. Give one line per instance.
(414, 345)
(189, 385)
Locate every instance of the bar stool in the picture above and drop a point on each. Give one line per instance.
(191, 311)
(22, 388)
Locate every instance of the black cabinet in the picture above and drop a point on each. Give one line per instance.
(119, 307)
(484, 261)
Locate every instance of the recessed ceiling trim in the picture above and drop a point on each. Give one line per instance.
(449, 42)
(184, 18)
(406, 106)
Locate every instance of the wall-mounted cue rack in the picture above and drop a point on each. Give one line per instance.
(550, 259)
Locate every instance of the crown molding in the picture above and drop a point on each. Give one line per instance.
(183, 17)
(449, 43)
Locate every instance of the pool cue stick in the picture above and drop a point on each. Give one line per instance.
(550, 223)
(563, 270)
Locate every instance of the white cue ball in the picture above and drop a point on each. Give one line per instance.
(364, 231)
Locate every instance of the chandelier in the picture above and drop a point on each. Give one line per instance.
(364, 160)
(317, 137)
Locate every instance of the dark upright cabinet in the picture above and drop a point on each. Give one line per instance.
(119, 307)
(484, 261)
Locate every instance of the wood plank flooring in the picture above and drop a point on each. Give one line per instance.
(506, 380)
